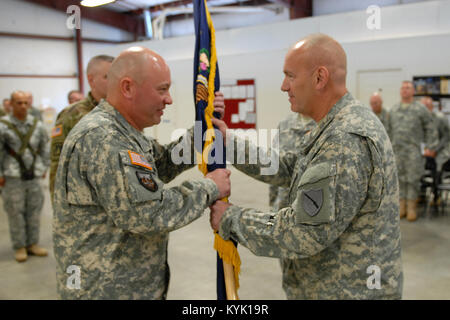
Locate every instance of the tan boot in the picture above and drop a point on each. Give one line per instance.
(402, 208)
(21, 255)
(411, 214)
(34, 249)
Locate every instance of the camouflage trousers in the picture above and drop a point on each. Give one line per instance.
(410, 166)
(23, 201)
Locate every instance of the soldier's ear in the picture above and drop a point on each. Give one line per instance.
(126, 87)
(90, 78)
(322, 76)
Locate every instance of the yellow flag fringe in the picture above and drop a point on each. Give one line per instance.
(228, 253)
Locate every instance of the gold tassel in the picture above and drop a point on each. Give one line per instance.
(228, 253)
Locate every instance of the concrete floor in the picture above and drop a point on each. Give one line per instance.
(426, 256)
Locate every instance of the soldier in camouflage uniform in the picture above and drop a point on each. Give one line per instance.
(339, 238)
(112, 214)
(33, 111)
(6, 107)
(97, 71)
(290, 133)
(376, 103)
(23, 160)
(410, 124)
(441, 123)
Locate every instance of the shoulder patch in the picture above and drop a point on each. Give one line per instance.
(312, 201)
(56, 131)
(139, 160)
(146, 180)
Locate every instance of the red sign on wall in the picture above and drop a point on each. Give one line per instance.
(240, 103)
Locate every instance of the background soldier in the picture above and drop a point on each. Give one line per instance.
(410, 124)
(291, 132)
(5, 108)
(97, 71)
(441, 123)
(112, 214)
(33, 111)
(376, 103)
(23, 159)
(74, 96)
(342, 219)
(7, 105)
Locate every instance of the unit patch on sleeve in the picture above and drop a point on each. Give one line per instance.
(146, 180)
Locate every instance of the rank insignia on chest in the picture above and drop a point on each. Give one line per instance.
(312, 201)
(139, 160)
(146, 180)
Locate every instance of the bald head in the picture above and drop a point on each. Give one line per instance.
(134, 63)
(376, 102)
(19, 104)
(321, 50)
(138, 86)
(315, 69)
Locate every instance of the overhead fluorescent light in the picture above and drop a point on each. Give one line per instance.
(95, 3)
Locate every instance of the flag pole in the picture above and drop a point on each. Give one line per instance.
(206, 83)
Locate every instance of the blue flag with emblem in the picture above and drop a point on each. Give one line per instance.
(206, 83)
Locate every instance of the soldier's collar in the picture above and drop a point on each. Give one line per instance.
(323, 124)
(14, 120)
(91, 99)
(128, 128)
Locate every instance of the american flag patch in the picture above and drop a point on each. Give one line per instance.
(139, 160)
(56, 131)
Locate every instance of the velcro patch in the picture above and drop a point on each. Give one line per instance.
(56, 131)
(139, 160)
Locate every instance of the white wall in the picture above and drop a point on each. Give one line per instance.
(414, 39)
(45, 57)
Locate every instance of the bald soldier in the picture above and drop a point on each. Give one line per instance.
(339, 238)
(23, 159)
(410, 124)
(97, 71)
(112, 213)
(376, 103)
